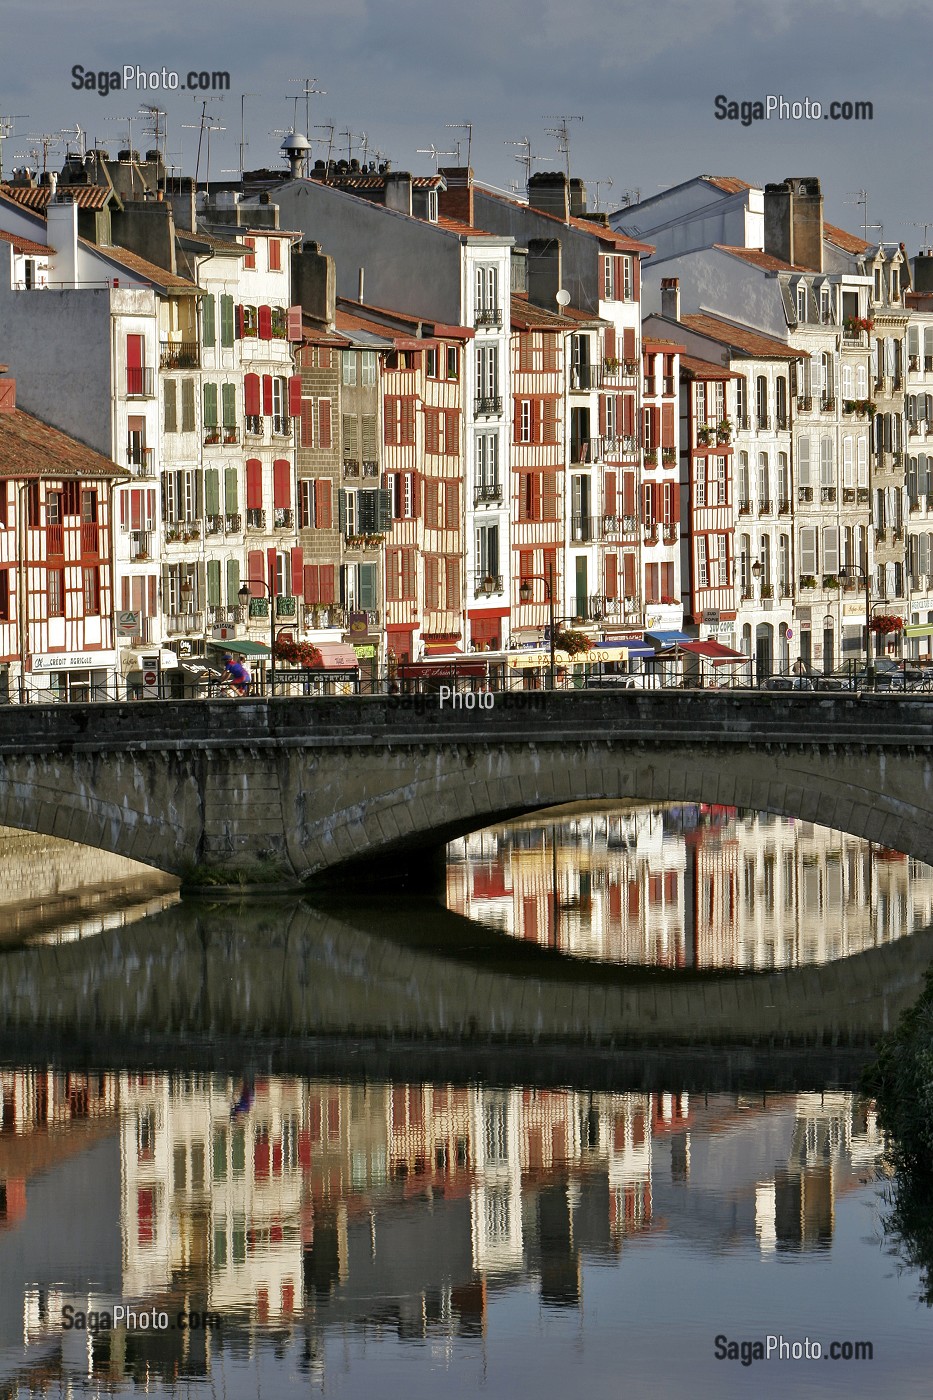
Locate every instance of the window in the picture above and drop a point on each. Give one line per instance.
(744, 481)
(801, 301)
(862, 451)
(803, 461)
(618, 277)
(227, 322)
(349, 366)
(764, 495)
(187, 406)
(208, 325)
(431, 359)
(487, 373)
(780, 401)
(169, 406)
(827, 470)
(453, 362)
(702, 562)
(249, 262)
(487, 551)
(275, 255)
(848, 462)
(56, 591)
(368, 368)
(783, 480)
(761, 400)
(91, 585)
(808, 551)
(741, 400)
(487, 462)
(861, 382)
(877, 289)
(826, 313)
(487, 289)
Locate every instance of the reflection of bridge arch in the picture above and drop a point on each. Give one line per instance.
(310, 785)
(207, 976)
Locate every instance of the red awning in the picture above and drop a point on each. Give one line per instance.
(337, 657)
(715, 652)
(442, 667)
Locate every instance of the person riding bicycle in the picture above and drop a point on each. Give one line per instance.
(236, 674)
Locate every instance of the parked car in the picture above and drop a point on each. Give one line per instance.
(628, 680)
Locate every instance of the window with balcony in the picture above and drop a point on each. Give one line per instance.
(487, 311)
(488, 485)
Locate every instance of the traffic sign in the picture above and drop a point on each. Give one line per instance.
(149, 678)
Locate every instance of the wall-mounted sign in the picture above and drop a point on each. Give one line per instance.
(73, 660)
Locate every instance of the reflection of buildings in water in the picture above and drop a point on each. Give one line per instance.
(689, 886)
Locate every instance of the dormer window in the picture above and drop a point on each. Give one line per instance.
(801, 301)
(432, 206)
(826, 313)
(878, 289)
(895, 284)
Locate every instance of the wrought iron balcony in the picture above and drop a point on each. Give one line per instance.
(179, 354)
(140, 382)
(139, 460)
(487, 316)
(487, 491)
(489, 406)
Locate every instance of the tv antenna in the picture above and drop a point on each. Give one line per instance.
(6, 131)
(350, 135)
(561, 133)
(468, 128)
(925, 224)
(525, 156)
(435, 154)
(204, 127)
(597, 186)
(308, 91)
(243, 141)
(329, 128)
(861, 197)
(46, 140)
(79, 138)
(629, 197)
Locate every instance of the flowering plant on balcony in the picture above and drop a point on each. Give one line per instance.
(667, 600)
(705, 435)
(807, 581)
(724, 432)
(572, 642)
(668, 456)
(297, 653)
(854, 325)
(886, 622)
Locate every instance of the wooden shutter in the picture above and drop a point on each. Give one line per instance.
(628, 575)
(549, 500)
(298, 561)
(323, 505)
(609, 343)
(432, 498)
(602, 415)
(432, 430)
(323, 424)
(612, 576)
(233, 582)
(213, 583)
(231, 491)
(251, 395)
(170, 420)
(628, 493)
(254, 566)
(226, 322)
(210, 405)
(452, 432)
(451, 505)
(267, 393)
(408, 422)
(294, 395)
(628, 415)
(609, 491)
(212, 491)
(452, 570)
(293, 330)
(525, 353)
(281, 484)
(431, 581)
(271, 560)
(390, 421)
(667, 425)
(306, 438)
(208, 326)
(265, 323)
(628, 343)
(228, 405)
(367, 589)
(254, 484)
(312, 586)
(549, 421)
(409, 574)
(526, 563)
(328, 580)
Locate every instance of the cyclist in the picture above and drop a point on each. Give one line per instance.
(236, 675)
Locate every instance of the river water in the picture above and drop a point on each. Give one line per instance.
(366, 1212)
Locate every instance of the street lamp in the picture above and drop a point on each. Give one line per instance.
(859, 569)
(243, 596)
(525, 591)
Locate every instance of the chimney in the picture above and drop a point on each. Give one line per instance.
(670, 298)
(923, 271)
(456, 202)
(544, 272)
(182, 196)
(548, 193)
(794, 222)
(398, 190)
(314, 283)
(146, 227)
(7, 393)
(577, 199)
(62, 235)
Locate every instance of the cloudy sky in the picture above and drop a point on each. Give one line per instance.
(642, 78)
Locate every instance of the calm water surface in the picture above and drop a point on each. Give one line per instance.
(368, 1236)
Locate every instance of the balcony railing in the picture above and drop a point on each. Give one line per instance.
(827, 404)
(485, 584)
(827, 494)
(489, 406)
(214, 524)
(370, 468)
(281, 425)
(90, 537)
(255, 520)
(487, 316)
(584, 528)
(258, 607)
(351, 466)
(583, 378)
(805, 493)
(804, 403)
(139, 460)
(184, 622)
(140, 545)
(55, 541)
(140, 382)
(179, 354)
(764, 421)
(487, 491)
(283, 518)
(225, 617)
(765, 508)
(590, 608)
(286, 605)
(670, 533)
(255, 426)
(182, 531)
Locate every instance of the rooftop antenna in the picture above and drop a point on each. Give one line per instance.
(79, 137)
(46, 140)
(157, 127)
(309, 91)
(629, 197)
(468, 128)
(525, 156)
(435, 154)
(329, 128)
(561, 133)
(129, 142)
(6, 131)
(243, 141)
(204, 126)
(925, 224)
(861, 197)
(597, 186)
(349, 135)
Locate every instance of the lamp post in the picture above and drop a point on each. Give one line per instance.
(243, 596)
(525, 592)
(856, 570)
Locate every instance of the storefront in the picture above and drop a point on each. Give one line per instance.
(76, 677)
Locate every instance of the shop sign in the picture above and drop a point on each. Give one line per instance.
(73, 660)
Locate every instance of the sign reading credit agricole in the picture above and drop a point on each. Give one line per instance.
(72, 660)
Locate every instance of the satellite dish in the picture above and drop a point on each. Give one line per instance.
(563, 297)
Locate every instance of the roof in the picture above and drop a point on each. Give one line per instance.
(695, 368)
(849, 242)
(656, 342)
(464, 229)
(40, 196)
(30, 448)
(620, 241)
(24, 245)
(729, 184)
(211, 241)
(394, 323)
(166, 281)
(737, 338)
(766, 261)
(527, 315)
(349, 181)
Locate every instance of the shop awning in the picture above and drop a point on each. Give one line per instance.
(336, 657)
(663, 640)
(715, 652)
(241, 647)
(620, 650)
(919, 629)
(534, 660)
(441, 668)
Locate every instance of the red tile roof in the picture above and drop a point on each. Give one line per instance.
(849, 242)
(695, 368)
(746, 342)
(729, 184)
(85, 196)
(24, 245)
(169, 281)
(30, 448)
(654, 342)
(527, 315)
(766, 261)
(619, 241)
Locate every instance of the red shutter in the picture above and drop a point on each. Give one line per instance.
(451, 505)
(389, 421)
(294, 395)
(265, 323)
(628, 493)
(628, 575)
(134, 351)
(610, 343)
(431, 581)
(628, 415)
(655, 426)
(409, 574)
(254, 567)
(307, 423)
(136, 510)
(293, 323)
(516, 420)
(610, 490)
(271, 555)
(431, 430)
(327, 584)
(125, 593)
(628, 343)
(431, 503)
(254, 484)
(238, 322)
(636, 277)
(153, 593)
(267, 393)
(298, 560)
(667, 425)
(312, 587)
(452, 432)
(323, 511)
(408, 422)
(417, 490)
(602, 415)
(281, 484)
(323, 423)
(452, 568)
(251, 397)
(612, 576)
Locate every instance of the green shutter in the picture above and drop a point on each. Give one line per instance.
(367, 593)
(228, 403)
(171, 406)
(231, 490)
(383, 511)
(213, 583)
(208, 329)
(342, 511)
(226, 322)
(187, 405)
(210, 405)
(212, 491)
(233, 582)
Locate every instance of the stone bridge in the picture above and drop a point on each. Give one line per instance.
(296, 788)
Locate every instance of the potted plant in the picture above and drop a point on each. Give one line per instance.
(767, 590)
(807, 581)
(830, 581)
(884, 623)
(574, 643)
(611, 364)
(297, 653)
(668, 456)
(705, 435)
(724, 432)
